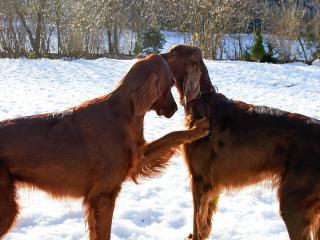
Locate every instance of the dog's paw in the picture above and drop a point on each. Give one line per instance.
(202, 127)
(203, 123)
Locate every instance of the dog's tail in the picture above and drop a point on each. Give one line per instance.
(8, 205)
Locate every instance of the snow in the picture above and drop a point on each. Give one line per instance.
(160, 208)
(316, 63)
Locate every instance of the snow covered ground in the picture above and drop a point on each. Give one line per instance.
(160, 208)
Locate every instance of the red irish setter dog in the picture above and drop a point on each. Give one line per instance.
(248, 144)
(90, 150)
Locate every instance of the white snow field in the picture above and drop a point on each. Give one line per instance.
(316, 63)
(160, 208)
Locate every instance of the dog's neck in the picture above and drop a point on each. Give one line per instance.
(121, 98)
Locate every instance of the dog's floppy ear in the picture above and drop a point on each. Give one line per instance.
(191, 83)
(205, 82)
(144, 97)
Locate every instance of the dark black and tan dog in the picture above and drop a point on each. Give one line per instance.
(248, 144)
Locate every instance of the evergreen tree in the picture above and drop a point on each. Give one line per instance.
(269, 55)
(258, 51)
(149, 41)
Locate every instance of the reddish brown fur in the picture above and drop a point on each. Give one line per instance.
(90, 150)
(249, 144)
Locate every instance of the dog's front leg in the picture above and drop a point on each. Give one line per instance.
(156, 154)
(99, 213)
(205, 201)
(172, 140)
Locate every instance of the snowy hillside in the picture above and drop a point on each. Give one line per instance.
(160, 208)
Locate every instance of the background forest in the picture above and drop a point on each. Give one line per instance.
(262, 30)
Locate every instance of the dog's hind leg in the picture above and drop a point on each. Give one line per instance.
(8, 205)
(317, 236)
(314, 212)
(295, 206)
(297, 224)
(205, 202)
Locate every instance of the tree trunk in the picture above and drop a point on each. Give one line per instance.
(34, 41)
(116, 40)
(110, 46)
(58, 23)
(24, 24)
(37, 39)
(240, 47)
(304, 52)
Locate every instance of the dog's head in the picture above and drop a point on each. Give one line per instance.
(154, 89)
(190, 72)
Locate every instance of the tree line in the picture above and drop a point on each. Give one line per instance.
(94, 28)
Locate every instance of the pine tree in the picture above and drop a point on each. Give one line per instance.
(269, 55)
(149, 41)
(258, 51)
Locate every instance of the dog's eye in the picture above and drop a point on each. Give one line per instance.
(173, 53)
